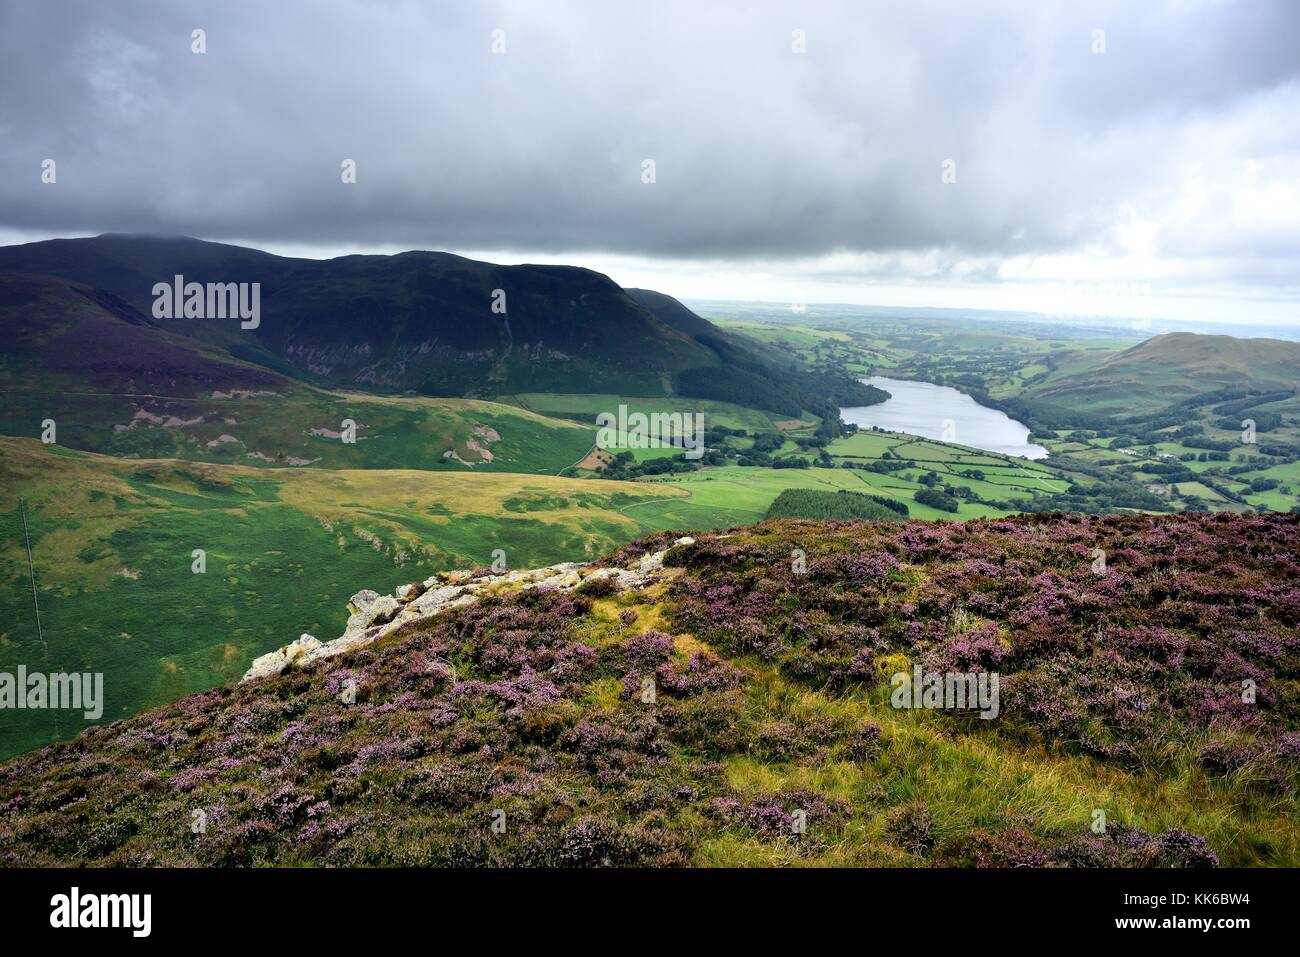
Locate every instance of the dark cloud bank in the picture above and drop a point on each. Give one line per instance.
(1179, 142)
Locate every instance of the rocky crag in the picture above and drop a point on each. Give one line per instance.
(374, 616)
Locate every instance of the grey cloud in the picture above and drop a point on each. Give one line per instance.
(760, 152)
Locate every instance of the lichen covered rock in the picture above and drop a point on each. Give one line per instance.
(374, 616)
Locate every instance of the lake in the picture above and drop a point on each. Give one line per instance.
(938, 412)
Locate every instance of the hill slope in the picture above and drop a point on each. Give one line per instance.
(768, 735)
(426, 322)
(1169, 368)
(114, 381)
(113, 545)
(65, 336)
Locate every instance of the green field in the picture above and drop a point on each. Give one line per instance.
(113, 545)
(731, 496)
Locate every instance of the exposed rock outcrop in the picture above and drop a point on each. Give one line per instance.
(281, 658)
(372, 615)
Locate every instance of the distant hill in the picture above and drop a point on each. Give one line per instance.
(116, 381)
(64, 336)
(1170, 368)
(424, 322)
(752, 372)
(128, 265)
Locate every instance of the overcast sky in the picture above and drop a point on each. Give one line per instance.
(1160, 177)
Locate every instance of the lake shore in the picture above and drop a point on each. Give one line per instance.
(941, 412)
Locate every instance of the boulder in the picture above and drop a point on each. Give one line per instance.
(362, 600)
(376, 612)
(409, 592)
(648, 564)
(297, 649)
(276, 661)
(436, 598)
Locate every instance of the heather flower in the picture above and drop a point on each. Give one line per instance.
(529, 690)
(340, 679)
(1288, 746)
(574, 662)
(441, 716)
(1179, 848)
(190, 778)
(648, 650)
(591, 842)
(704, 672)
(768, 819)
(865, 744)
(1006, 847)
(1223, 757)
(913, 827)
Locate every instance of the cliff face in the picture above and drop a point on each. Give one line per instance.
(736, 699)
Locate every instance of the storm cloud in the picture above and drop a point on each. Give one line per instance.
(1159, 135)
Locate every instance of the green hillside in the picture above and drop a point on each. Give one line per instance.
(776, 735)
(1168, 368)
(113, 383)
(431, 323)
(113, 544)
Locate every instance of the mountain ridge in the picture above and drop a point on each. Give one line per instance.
(439, 324)
(1172, 367)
